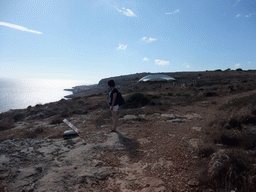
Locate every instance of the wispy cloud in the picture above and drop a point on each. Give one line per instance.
(174, 12)
(145, 59)
(127, 12)
(122, 46)
(19, 28)
(237, 65)
(249, 15)
(150, 39)
(161, 62)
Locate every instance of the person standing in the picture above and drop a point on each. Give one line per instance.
(113, 103)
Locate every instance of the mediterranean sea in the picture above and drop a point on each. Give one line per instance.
(19, 94)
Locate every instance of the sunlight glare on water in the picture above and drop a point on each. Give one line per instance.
(17, 94)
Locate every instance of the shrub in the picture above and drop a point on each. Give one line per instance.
(237, 172)
(210, 94)
(154, 96)
(56, 121)
(64, 114)
(137, 100)
(18, 117)
(240, 102)
(79, 111)
(248, 141)
(205, 152)
(170, 94)
(249, 120)
(227, 139)
(5, 124)
(39, 130)
(234, 123)
(253, 111)
(30, 134)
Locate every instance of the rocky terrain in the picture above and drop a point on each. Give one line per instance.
(191, 135)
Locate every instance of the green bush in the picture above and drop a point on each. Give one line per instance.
(137, 100)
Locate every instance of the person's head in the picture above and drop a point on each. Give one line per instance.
(111, 83)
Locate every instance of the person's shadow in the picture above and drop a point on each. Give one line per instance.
(130, 145)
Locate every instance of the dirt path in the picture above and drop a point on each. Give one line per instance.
(160, 150)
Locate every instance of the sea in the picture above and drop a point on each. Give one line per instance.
(21, 93)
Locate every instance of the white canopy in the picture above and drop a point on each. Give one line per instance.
(157, 77)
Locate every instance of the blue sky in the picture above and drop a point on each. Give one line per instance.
(93, 39)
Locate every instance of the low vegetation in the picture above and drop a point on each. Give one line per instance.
(234, 130)
(137, 100)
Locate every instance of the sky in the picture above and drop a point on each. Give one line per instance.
(94, 39)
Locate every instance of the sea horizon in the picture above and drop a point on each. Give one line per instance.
(21, 93)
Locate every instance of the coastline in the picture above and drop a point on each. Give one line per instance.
(84, 90)
(123, 82)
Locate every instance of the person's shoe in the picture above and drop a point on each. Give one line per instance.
(111, 130)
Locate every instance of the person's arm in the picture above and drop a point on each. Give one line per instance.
(113, 101)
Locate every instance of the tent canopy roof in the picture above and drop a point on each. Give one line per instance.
(156, 78)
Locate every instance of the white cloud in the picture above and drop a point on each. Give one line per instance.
(237, 65)
(19, 28)
(238, 15)
(127, 12)
(145, 59)
(150, 39)
(143, 38)
(174, 12)
(188, 66)
(122, 46)
(161, 62)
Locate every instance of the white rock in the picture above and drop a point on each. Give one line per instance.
(70, 132)
(197, 128)
(143, 141)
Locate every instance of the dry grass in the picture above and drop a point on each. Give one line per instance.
(232, 128)
(236, 174)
